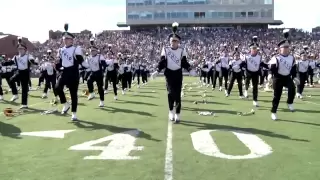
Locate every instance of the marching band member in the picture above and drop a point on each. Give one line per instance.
(302, 68)
(204, 71)
(209, 63)
(173, 59)
(144, 73)
(253, 65)
(224, 61)
(217, 74)
(7, 70)
(96, 63)
(22, 63)
(236, 66)
(70, 57)
(112, 70)
(137, 70)
(50, 76)
(312, 67)
(42, 73)
(122, 76)
(128, 74)
(283, 69)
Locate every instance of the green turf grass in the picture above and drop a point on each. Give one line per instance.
(294, 138)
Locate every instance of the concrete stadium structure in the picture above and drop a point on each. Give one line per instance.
(203, 13)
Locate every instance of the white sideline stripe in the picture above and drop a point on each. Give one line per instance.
(30, 105)
(168, 168)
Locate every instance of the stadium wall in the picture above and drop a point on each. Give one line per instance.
(8, 45)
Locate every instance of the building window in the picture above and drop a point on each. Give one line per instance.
(267, 13)
(253, 14)
(160, 2)
(228, 15)
(200, 2)
(199, 15)
(240, 14)
(268, 2)
(174, 2)
(147, 2)
(159, 15)
(145, 15)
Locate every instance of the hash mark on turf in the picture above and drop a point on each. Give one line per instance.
(168, 168)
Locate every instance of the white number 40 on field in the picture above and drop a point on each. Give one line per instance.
(122, 144)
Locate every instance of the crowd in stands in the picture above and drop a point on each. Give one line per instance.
(200, 43)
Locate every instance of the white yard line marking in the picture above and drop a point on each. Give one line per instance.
(32, 105)
(168, 168)
(309, 102)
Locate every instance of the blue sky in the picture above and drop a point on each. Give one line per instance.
(37, 17)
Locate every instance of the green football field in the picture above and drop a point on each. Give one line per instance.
(131, 138)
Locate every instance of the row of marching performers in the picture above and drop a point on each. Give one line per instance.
(222, 69)
(127, 73)
(65, 72)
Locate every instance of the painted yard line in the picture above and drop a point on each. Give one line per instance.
(309, 102)
(31, 105)
(168, 168)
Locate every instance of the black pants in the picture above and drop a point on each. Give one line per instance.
(302, 77)
(263, 76)
(210, 77)
(50, 82)
(144, 77)
(111, 76)
(236, 76)
(225, 76)
(29, 82)
(41, 78)
(278, 83)
(82, 75)
(254, 77)
(203, 76)
(69, 78)
(98, 78)
(138, 74)
(129, 79)
(12, 84)
(216, 75)
(310, 77)
(174, 85)
(124, 81)
(23, 76)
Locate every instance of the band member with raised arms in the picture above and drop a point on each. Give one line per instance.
(50, 75)
(22, 64)
(224, 62)
(253, 69)
(112, 73)
(173, 59)
(128, 74)
(7, 69)
(96, 63)
(302, 73)
(236, 66)
(70, 57)
(284, 71)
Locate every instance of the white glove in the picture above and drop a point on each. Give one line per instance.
(296, 81)
(269, 77)
(193, 73)
(154, 74)
(3, 69)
